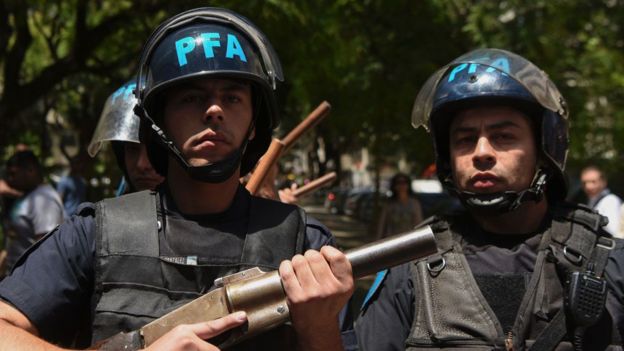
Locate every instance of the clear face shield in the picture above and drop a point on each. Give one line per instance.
(118, 121)
(534, 80)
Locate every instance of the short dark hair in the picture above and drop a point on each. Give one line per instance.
(603, 176)
(395, 180)
(23, 160)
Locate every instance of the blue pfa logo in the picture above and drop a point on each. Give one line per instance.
(500, 64)
(124, 91)
(209, 41)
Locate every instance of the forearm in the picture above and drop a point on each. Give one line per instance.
(14, 338)
(327, 339)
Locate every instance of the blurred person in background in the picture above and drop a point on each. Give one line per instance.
(601, 199)
(72, 188)
(36, 212)
(119, 125)
(8, 195)
(403, 211)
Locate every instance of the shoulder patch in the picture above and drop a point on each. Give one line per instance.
(379, 278)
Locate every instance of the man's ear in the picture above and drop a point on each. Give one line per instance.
(252, 134)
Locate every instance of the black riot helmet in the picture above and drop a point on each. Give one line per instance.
(214, 43)
(497, 77)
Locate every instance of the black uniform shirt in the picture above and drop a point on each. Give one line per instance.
(52, 284)
(388, 315)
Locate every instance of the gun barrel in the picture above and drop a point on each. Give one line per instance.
(391, 251)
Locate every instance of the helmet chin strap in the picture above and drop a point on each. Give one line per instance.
(215, 172)
(501, 202)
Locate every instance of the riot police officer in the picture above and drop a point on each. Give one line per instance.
(206, 100)
(519, 268)
(119, 125)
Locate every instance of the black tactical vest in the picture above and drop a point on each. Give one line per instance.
(452, 313)
(134, 284)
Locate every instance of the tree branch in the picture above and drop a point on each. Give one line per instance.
(5, 29)
(15, 57)
(85, 43)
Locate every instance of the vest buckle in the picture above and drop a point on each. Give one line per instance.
(572, 255)
(605, 243)
(436, 265)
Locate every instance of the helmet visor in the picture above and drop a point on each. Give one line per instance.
(118, 121)
(534, 80)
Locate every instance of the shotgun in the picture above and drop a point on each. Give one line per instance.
(261, 295)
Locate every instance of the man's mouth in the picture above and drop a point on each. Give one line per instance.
(484, 181)
(208, 140)
(147, 182)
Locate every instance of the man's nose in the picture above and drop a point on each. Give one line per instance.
(143, 162)
(214, 112)
(484, 154)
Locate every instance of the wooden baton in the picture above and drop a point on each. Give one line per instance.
(264, 165)
(313, 118)
(315, 184)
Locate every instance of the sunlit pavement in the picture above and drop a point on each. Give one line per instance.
(349, 233)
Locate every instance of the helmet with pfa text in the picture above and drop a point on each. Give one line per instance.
(208, 43)
(497, 77)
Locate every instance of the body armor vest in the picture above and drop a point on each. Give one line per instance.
(134, 284)
(452, 313)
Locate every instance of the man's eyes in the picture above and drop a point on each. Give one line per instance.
(504, 136)
(465, 139)
(192, 98)
(232, 98)
(201, 98)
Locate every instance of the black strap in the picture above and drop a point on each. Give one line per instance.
(276, 232)
(601, 254)
(134, 213)
(550, 337)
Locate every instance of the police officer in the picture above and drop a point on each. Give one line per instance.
(119, 125)
(518, 269)
(206, 100)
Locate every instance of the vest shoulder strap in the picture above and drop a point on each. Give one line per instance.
(131, 213)
(276, 232)
(578, 229)
(580, 214)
